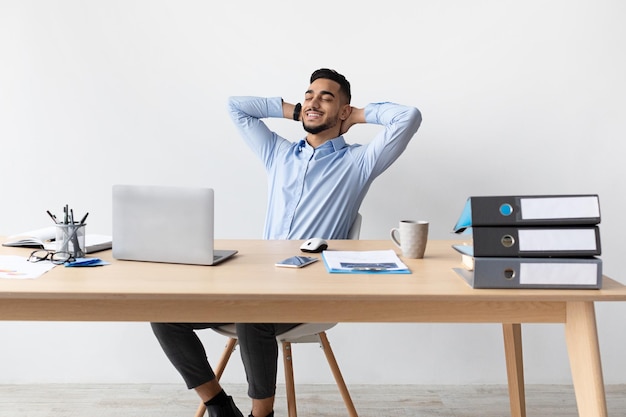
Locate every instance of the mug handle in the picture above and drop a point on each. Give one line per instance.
(394, 238)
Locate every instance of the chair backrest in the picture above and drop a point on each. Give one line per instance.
(355, 230)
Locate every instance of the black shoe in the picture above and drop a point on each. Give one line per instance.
(269, 415)
(225, 410)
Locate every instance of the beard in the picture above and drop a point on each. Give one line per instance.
(314, 130)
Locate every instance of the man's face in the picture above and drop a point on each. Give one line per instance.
(322, 106)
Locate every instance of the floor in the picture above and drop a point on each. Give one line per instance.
(154, 400)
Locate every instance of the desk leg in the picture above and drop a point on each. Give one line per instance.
(515, 368)
(584, 354)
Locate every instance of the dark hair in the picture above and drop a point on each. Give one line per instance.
(335, 76)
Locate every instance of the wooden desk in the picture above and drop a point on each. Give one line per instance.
(250, 288)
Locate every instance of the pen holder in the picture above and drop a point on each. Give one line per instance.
(70, 238)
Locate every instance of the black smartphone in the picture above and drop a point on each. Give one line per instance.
(297, 261)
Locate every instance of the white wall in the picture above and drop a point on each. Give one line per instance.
(517, 98)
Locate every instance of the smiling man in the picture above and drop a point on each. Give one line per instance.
(316, 186)
(326, 106)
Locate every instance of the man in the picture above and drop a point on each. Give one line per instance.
(316, 186)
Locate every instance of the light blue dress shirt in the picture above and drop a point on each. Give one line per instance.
(317, 192)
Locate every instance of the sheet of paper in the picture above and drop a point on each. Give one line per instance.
(383, 261)
(18, 267)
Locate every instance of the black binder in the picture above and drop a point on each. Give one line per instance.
(565, 273)
(534, 210)
(577, 241)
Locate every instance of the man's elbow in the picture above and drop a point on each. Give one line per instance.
(415, 116)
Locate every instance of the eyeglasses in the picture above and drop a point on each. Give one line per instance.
(57, 258)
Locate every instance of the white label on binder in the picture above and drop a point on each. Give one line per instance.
(559, 207)
(558, 274)
(557, 240)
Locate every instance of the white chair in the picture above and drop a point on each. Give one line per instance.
(355, 230)
(303, 333)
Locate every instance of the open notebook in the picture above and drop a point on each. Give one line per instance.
(44, 239)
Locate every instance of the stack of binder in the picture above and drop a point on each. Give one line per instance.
(550, 241)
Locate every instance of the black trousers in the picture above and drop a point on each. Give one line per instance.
(258, 346)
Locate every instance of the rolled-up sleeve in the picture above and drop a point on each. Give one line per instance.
(247, 112)
(400, 125)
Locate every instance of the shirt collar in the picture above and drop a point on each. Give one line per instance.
(332, 145)
(337, 143)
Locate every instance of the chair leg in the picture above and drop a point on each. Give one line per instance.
(219, 369)
(228, 350)
(201, 410)
(332, 362)
(289, 381)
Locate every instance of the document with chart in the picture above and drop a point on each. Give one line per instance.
(364, 262)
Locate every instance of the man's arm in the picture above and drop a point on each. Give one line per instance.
(356, 116)
(400, 124)
(288, 109)
(247, 112)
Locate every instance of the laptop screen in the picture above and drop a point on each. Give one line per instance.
(163, 224)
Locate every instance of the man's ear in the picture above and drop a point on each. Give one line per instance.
(345, 111)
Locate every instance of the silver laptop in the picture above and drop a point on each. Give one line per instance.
(165, 224)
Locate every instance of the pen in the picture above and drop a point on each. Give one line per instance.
(52, 216)
(369, 268)
(82, 221)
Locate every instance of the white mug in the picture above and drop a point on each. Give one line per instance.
(411, 237)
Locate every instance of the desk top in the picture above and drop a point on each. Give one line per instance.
(251, 273)
(248, 287)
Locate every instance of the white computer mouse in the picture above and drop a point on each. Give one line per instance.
(314, 245)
